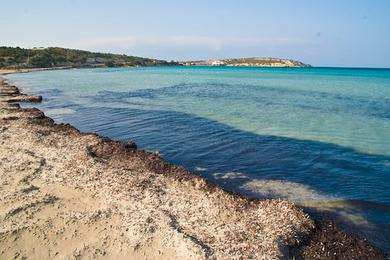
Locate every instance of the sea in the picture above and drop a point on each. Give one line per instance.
(319, 137)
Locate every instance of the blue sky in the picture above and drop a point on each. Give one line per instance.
(322, 33)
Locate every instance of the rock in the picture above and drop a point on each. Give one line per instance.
(131, 145)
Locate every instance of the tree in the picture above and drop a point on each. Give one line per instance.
(43, 59)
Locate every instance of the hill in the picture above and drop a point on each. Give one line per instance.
(17, 58)
(248, 62)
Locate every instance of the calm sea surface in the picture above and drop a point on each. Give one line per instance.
(317, 136)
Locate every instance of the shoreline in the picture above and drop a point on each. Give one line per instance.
(181, 215)
(12, 71)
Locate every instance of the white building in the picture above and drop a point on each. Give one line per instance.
(216, 62)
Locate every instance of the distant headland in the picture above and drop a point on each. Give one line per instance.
(248, 62)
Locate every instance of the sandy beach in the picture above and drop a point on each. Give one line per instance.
(71, 195)
(10, 71)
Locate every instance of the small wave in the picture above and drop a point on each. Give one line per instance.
(307, 197)
(201, 169)
(59, 111)
(296, 192)
(230, 175)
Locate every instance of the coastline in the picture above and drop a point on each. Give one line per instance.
(151, 208)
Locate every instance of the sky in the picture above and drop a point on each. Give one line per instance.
(346, 33)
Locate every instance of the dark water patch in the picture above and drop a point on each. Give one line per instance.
(50, 92)
(222, 148)
(301, 99)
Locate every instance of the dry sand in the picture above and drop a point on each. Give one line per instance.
(71, 195)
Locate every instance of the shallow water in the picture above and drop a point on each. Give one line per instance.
(317, 136)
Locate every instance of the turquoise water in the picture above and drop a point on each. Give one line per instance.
(317, 136)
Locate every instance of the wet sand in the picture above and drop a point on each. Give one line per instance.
(66, 194)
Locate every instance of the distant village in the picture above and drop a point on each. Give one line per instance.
(247, 62)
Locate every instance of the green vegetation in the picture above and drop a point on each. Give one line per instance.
(11, 57)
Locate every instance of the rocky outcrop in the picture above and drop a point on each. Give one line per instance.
(11, 93)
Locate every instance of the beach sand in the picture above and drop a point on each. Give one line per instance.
(71, 195)
(10, 71)
(7, 71)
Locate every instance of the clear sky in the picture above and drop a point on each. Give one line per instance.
(319, 32)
